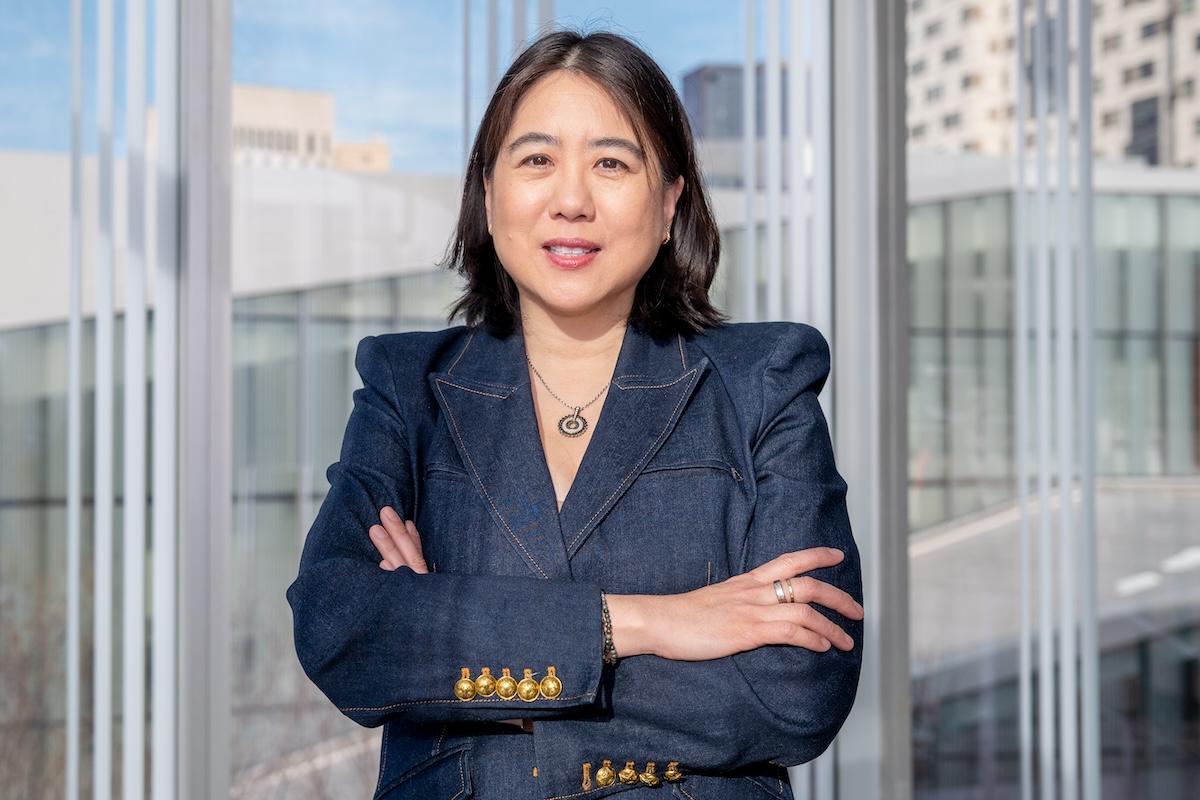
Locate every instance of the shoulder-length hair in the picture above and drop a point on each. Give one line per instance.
(672, 297)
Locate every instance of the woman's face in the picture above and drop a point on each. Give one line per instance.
(577, 210)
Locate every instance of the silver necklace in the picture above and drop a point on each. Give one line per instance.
(573, 424)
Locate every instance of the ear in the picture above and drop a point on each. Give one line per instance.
(670, 200)
(487, 201)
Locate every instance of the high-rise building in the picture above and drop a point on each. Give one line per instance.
(712, 97)
(962, 91)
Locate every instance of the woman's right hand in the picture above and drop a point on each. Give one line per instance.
(398, 542)
(739, 614)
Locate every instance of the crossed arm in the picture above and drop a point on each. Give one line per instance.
(739, 614)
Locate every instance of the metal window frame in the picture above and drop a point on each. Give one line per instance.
(205, 393)
(105, 456)
(134, 466)
(870, 211)
(164, 689)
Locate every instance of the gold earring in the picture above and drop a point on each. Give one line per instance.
(668, 239)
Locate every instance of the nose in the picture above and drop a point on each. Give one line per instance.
(572, 195)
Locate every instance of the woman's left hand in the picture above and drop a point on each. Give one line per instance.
(398, 542)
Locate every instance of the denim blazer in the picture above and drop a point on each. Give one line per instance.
(711, 457)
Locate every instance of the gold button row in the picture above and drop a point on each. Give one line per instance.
(606, 776)
(506, 687)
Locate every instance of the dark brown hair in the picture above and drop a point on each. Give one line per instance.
(672, 296)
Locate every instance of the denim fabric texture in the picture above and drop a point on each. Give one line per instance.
(710, 458)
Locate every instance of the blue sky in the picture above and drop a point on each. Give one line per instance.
(394, 66)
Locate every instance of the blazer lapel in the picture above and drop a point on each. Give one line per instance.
(486, 398)
(651, 386)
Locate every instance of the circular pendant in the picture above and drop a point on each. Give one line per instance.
(572, 425)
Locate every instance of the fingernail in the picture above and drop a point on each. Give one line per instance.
(389, 513)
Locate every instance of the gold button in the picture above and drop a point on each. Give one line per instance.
(506, 685)
(628, 775)
(673, 775)
(465, 688)
(606, 775)
(648, 777)
(528, 688)
(551, 685)
(485, 684)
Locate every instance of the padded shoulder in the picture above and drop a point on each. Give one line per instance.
(765, 364)
(747, 349)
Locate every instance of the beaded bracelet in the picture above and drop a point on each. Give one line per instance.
(609, 656)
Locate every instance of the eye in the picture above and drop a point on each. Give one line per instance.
(610, 164)
(537, 161)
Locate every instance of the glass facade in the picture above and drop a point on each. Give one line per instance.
(962, 478)
(964, 511)
(32, 548)
(293, 380)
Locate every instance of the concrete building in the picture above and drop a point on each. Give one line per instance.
(272, 125)
(1146, 66)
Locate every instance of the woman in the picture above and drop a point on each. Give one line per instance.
(578, 546)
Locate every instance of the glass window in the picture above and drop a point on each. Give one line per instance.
(35, 208)
(962, 446)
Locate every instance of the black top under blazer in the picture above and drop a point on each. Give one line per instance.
(711, 457)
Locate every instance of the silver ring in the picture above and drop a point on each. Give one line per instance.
(779, 592)
(791, 592)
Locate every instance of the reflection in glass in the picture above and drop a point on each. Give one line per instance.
(962, 471)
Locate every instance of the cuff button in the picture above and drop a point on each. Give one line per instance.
(464, 689)
(606, 776)
(528, 688)
(485, 684)
(629, 775)
(551, 685)
(506, 685)
(648, 777)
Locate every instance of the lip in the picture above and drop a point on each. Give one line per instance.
(570, 260)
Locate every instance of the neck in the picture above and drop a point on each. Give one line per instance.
(573, 346)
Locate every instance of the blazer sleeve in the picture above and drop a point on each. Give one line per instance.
(382, 644)
(774, 704)
(801, 503)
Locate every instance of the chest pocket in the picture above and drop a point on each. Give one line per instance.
(450, 510)
(678, 527)
(459, 532)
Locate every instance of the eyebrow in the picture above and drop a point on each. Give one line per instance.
(532, 138)
(535, 137)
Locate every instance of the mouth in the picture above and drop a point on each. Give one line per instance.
(560, 250)
(570, 247)
(570, 253)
